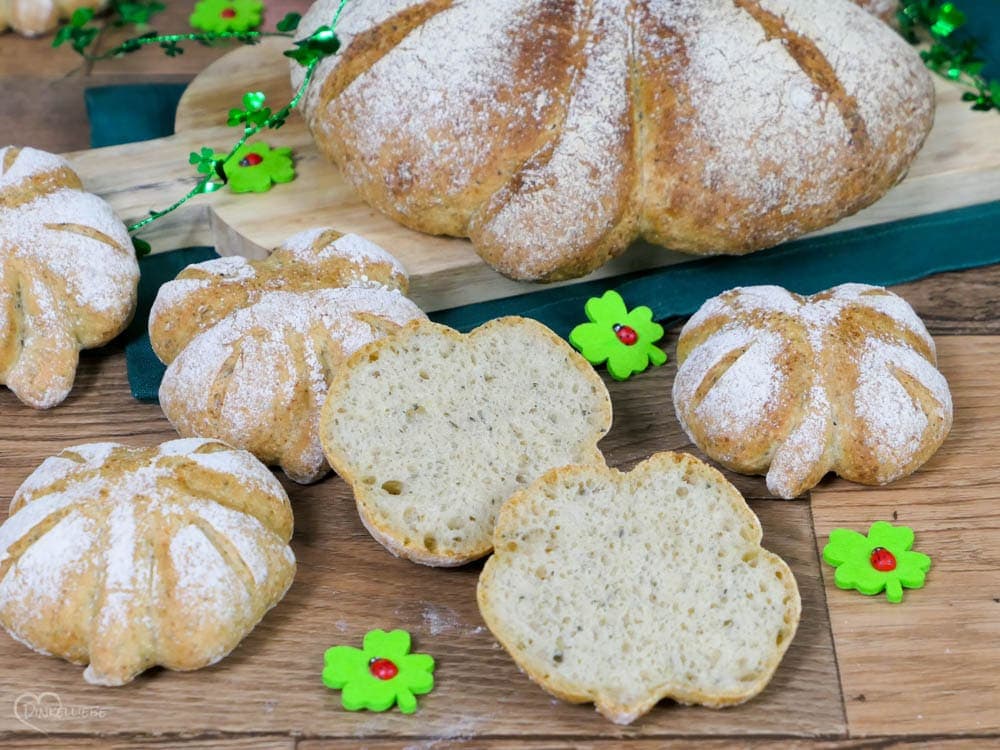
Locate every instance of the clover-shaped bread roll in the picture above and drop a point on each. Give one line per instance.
(125, 558)
(795, 387)
(623, 589)
(68, 275)
(434, 429)
(252, 345)
(554, 134)
(35, 17)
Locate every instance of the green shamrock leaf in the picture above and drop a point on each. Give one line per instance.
(227, 15)
(321, 43)
(625, 340)
(290, 22)
(948, 19)
(379, 675)
(881, 561)
(81, 17)
(204, 161)
(255, 167)
(136, 13)
(254, 114)
(142, 248)
(171, 49)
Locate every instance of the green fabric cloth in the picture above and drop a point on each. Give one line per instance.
(886, 254)
(127, 113)
(145, 371)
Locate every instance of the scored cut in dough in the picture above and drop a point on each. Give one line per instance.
(434, 429)
(625, 588)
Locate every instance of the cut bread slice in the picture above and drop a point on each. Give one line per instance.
(434, 430)
(622, 589)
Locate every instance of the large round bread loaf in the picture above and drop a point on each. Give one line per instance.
(554, 133)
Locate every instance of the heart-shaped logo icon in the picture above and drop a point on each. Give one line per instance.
(29, 707)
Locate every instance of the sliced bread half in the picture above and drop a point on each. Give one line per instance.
(623, 589)
(434, 429)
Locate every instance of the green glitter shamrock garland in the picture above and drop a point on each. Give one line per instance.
(269, 165)
(950, 56)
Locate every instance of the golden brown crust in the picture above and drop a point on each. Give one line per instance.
(516, 513)
(598, 123)
(68, 274)
(124, 558)
(251, 345)
(794, 387)
(175, 322)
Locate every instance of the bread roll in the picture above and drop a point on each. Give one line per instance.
(795, 387)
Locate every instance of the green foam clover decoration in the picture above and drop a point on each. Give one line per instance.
(227, 15)
(881, 561)
(379, 675)
(255, 167)
(625, 339)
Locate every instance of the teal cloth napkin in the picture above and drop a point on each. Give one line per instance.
(884, 255)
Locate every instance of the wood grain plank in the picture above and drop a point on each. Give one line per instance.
(35, 57)
(347, 584)
(731, 743)
(957, 302)
(932, 663)
(106, 742)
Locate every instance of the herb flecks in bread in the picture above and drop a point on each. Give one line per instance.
(625, 588)
(795, 387)
(554, 134)
(125, 558)
(68, 274)
(252, 345)
(434, 430)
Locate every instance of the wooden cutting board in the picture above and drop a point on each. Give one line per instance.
(959, 166)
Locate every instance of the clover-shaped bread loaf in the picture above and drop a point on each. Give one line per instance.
(795, 387)
(35, 17)
(626, 588)
(124, 558)
(252, 345)
(68, 275)
(554, 134)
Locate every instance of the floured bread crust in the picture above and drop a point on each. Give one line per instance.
(124, 558)
(795, 387)
(553, 134)
(68, 274)
(252, 345)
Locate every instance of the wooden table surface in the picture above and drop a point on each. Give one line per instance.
(860, 673)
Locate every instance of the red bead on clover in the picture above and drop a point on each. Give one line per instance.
(228, 13)
(383, 669)
(626, 334)
(882, 559)
(251, 160)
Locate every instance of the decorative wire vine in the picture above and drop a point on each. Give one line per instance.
(956, 57)
(254, 117)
